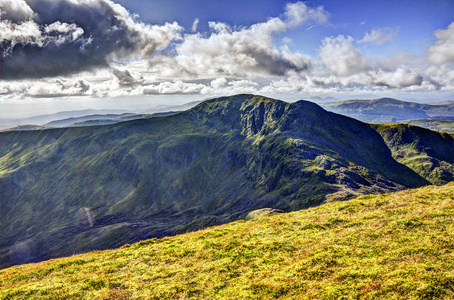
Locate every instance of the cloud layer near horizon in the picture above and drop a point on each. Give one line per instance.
(97, 48)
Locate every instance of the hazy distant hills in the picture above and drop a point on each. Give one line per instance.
(93, 120)
(44, 119)
(76, 189)
(89, 117)
(387, 110)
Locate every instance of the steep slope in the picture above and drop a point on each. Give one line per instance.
(428, 153)
(395, 246)
(65, 191)
(385, 110)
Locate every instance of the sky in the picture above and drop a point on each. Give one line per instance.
(82, 50)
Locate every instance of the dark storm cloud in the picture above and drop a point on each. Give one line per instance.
(46, 38)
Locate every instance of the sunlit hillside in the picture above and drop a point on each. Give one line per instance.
(393, 246)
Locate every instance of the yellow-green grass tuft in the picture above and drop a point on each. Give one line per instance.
(393, 246)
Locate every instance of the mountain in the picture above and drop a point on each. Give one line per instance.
(92, 120)
(72, 190)
(67, 118)
(166, 108)
(318, 99)
(388, 110)
(89, 120)
(71, 121)
(43, 119)
(428, 153)
(394, 246)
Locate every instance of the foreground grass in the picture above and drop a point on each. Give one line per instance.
(395, 246)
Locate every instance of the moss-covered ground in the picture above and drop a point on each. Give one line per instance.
(391, 246)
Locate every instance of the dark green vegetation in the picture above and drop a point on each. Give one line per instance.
(433, 124)
(429, 153)
(387, 110)
(72, 190)
(394, 246)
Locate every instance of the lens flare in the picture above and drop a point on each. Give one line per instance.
(84, 218)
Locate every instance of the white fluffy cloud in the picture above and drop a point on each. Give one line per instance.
(15, 11)
(50, 88)
(246, 52)
(299, 13)
(176, 87)
(378, 36)
(443, 49)
(400, 78)
(341, 56)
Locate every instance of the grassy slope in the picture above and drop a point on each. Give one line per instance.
(428, 153)
(394, 246)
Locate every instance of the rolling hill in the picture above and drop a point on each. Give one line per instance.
(73, 190)
(388, 110)
(393, 246)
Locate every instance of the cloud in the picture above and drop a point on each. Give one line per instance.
(442, 77)
(47, 38)
(125, 79)
(96, 48)
(341, 57)
(286, 40)
(442, 51)
(15, 11)
(400, 78)
(299, 13)
(176, 87)
(378, 36)
(393, 62)
(59, 87)
(194, 25)
(219, 83)
(244, 52)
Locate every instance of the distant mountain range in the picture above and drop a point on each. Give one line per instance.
(89, 117)
(388, 110)
(43, 119)
(77, 189)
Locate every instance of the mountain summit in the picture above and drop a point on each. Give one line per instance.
(70, 190)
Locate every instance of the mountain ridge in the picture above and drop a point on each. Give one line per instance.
(206, 166)
(389, 110)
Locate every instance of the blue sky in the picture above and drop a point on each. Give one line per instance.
(413, 20)
(68, 49)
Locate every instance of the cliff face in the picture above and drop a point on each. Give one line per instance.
(64, 191)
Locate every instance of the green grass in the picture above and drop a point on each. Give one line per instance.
(393, 246)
